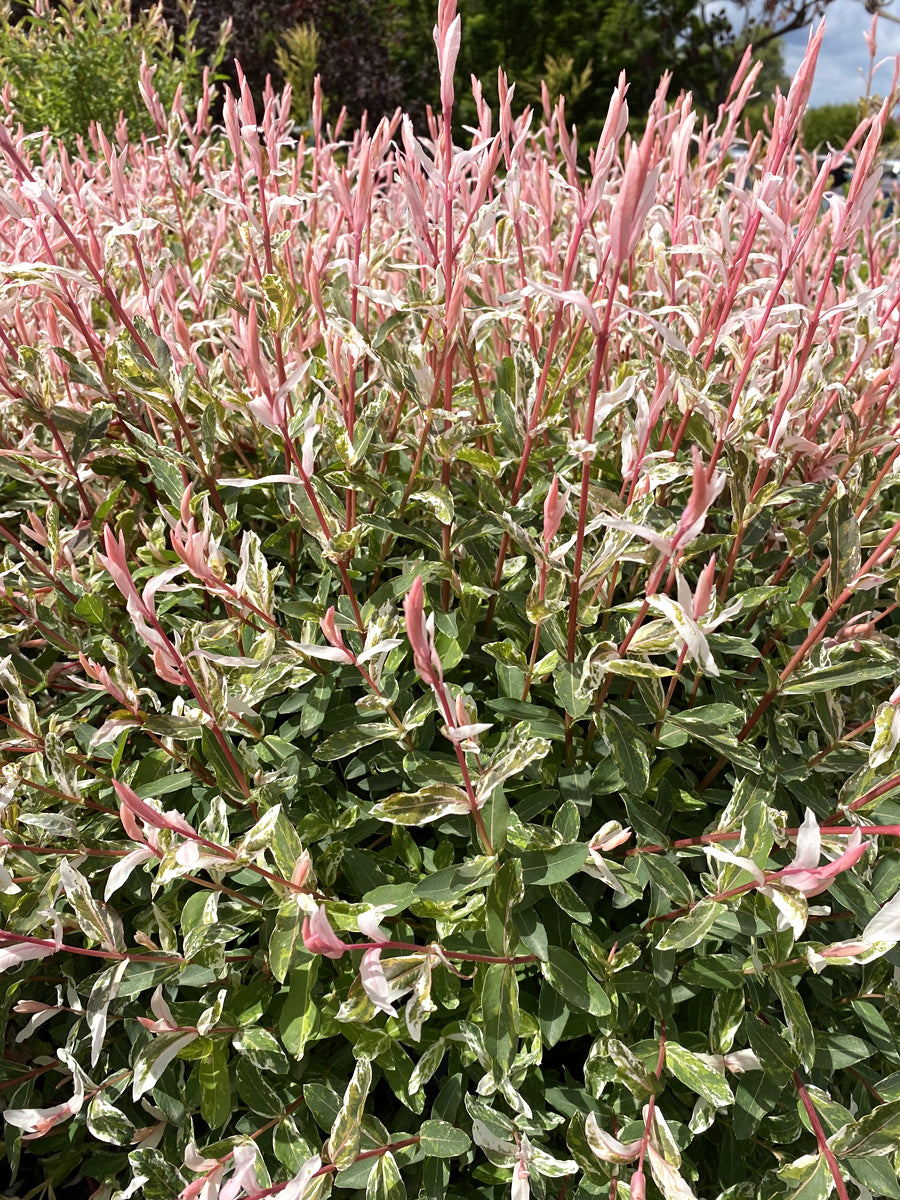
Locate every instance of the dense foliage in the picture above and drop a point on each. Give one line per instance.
(373, 55)
(376, 54)
(79, 62)
(449, 627)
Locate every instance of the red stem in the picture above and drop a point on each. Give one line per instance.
(824, 1149)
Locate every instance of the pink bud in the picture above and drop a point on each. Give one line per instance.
(424, 654)
(704, 591)
(813, 881)
(447, 40)
(186, 503)
(844, 949)
(301, 870)
(332, 633)
(319, 937)
(554, 511)
(703, 492)
(638, 1185)
(130, 800)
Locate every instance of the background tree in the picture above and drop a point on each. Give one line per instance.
(377, 54)
(833, 124)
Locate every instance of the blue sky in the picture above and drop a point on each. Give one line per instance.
(844, 58)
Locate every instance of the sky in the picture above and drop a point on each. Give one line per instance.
(844, 59)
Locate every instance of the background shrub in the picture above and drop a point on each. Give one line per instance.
(449, 626)
(80, 62)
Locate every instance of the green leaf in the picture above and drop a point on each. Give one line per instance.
(876, 1174)
(108, 1124)
(703, 729)
(543, 867)
(808, 1178)
(495, 816)
(347, 741)
(154, 1059)
(259, 1096)
(504, 895)
(628, 750)
(290, 1148)
(573, 981)
(843, 544)
(838, 1050)
(343, 1141)
(697, 1074)
(429, 803)
(669, 879)
(566, 681)
(262, 1049)
(690, 930)
(841, 674)
(755, 1095)
(98, 921)
(286, 941)
(385, 1182)
(453, 882)
(798, 1023)
(163, 1178)
(440, 1139)
(215, 1088)
(298, 1016)
(639, 1081)
(877, 1133)
(773, 1051)
(429, 1061)
(500, 1014)
(511, 758)
(714, 971)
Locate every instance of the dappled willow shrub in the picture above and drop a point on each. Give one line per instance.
(450, 645)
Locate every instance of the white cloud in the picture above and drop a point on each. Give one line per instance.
(844, 62)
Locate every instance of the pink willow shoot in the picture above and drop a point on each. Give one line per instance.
(447, 34)
(554, 511)
(705, 490)
(412, 973)
(38, 1122)
(636, 194)
(167, 660)
(803, 875)
(142, 610)
(420, 633)
(590, 287)
(338, 651)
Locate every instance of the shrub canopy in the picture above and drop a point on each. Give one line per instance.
(450, 625)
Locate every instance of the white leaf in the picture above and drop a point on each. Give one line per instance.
(668, 1180)
(295, 1189)
(103, 993)
(155, 1058)
(792, 908)
(123, 868)
(809, 843)
(885, 925)
(735, 860)
(606, 1147)
(689, 632)
(330, 653)
(18, 952)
